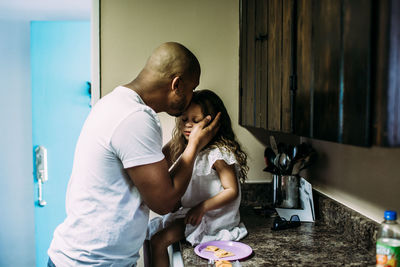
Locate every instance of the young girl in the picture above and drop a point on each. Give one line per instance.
(210, 206)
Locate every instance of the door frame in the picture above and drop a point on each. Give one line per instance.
(95, 62)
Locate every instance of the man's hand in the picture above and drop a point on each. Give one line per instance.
(202, 133)
(158, 190)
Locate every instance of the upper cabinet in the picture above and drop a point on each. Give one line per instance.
(265, 64)
(324, 69)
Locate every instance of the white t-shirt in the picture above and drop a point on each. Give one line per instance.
(106, 218)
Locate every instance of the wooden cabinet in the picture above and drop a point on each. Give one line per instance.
(265, 65)
(324, 69)
(333, 63)
(386, 82)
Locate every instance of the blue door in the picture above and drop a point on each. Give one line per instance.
(60, 69)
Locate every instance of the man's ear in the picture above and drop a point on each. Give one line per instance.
(175, 83)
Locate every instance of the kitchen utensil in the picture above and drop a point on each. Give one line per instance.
(274, 190)
(269, 155)
(303, 150)
(283, 160)
(294, 152)
(272, 169)
(308, 160)
(281, 148)
(273, 144)
(296, 167)
(276, 161)
(289, 150)
(289, 165)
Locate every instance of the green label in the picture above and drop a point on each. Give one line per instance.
(387, 255)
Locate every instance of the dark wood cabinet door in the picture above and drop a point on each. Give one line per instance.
(247, 63)
(326, 47)
(302, 120)
(323, 69)
(355, 99)
(333, 70)
(386, 82)
(265, 64)
(274, 87)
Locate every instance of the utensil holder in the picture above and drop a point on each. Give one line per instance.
(286, 191)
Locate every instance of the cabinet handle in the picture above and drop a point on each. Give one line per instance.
(262, 37)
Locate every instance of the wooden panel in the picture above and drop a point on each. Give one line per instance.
(287, 43)
(242, 59)
(250, 80)
(264, 71)
(274, 64)
(327, 65)
(380, 67)
(248, 63)
(386, 64)
(354, 113)
(261, 62)
(250, 86)
(393, 125)
(302, 116)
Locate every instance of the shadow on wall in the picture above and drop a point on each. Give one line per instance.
(366, 177)
(263, 136)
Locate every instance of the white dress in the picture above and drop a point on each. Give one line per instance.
(219, 224)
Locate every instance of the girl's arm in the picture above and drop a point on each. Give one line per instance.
(228, 179)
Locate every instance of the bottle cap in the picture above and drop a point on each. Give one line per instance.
(390, 215)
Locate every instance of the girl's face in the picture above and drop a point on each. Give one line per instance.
(189, 118)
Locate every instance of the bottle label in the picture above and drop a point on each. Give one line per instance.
(387, 256)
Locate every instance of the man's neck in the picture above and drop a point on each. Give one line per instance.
(150, 99)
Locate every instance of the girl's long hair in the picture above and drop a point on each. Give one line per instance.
(211, 104)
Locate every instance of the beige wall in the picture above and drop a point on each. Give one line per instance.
(131, 29)
(365, 179)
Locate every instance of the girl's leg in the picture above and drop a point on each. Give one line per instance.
(146, 253)
(161, 240)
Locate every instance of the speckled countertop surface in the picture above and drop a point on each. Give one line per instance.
(323, 243)
(311, 244)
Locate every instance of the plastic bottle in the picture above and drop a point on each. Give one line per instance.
(388, 241)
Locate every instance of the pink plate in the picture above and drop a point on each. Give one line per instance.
(239, 249)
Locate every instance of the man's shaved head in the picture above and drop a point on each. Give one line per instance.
(172, 59)
(167, 81)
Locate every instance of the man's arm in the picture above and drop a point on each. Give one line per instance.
(167, 153)
(161, 190)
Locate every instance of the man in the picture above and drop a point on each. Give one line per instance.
(119, 169)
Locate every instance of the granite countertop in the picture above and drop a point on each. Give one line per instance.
(311, 244)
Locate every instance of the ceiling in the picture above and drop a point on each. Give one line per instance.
(45, 9)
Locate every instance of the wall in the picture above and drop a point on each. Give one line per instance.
(16, 180)
(365, 179)
(130, 30)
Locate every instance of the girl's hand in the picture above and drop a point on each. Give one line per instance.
(195, 215)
